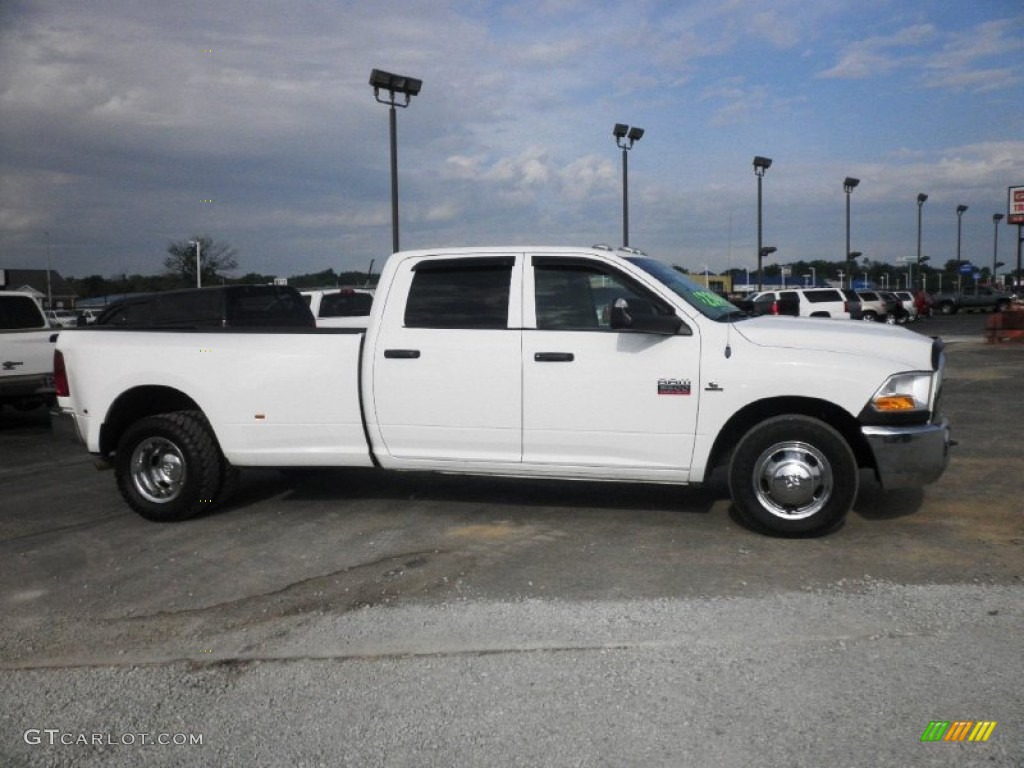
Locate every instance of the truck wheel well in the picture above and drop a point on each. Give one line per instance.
(136, 404)
(754, 413)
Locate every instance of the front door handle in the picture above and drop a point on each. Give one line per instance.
(554, 357)
(402, 354)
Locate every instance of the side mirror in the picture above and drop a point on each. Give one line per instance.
(638, 315)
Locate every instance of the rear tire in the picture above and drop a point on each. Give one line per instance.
(793, 475)
(169, 466)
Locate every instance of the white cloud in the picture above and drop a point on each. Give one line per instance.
(881, 54)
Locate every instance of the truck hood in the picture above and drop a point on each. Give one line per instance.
(906, 348)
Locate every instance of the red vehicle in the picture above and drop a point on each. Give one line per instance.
(923, 303)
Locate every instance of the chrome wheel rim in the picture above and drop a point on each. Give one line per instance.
(158, 470)
(793, 480)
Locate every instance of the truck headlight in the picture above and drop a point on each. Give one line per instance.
(903, 398)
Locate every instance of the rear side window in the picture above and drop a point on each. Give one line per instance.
(19, 312)
(250, 306)
(460, 293)
(182, 309)
(817, 297)
(345, 304)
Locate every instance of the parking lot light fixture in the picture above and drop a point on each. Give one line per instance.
(394, 91)
(849, 184)
(761, 164)
(921, 197)
(960, 209)
(625, 137)
(996, 218)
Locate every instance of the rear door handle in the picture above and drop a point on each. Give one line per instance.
(403, 354)
(554, 357)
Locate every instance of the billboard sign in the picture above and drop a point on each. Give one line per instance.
(1015, 206)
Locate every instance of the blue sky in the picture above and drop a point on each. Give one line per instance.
(118, 119)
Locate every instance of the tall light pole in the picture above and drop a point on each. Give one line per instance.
(49, 289)
(625, 138)
(395, 86)
(852, 257)
(849, 184)
(761, 164)
(959, 230)
(921, 197)
(199, 271)
(762, 253)
(996, 218)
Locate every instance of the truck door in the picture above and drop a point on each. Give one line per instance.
(597, 398)
(447, 383)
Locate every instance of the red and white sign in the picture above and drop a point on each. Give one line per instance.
(1015, 206)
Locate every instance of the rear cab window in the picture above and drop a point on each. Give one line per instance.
(470, 293)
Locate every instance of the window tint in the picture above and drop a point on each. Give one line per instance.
(17, 312)
(790, 296)
(267, 306)
(462, 293)
(349, 304)
(573, 296)
(816, 297)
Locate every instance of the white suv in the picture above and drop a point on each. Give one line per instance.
(813, 302)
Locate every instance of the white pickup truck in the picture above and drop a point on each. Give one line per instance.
(26, 352)
(569, 363)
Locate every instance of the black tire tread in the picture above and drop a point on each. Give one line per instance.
(845, 477)
(193, 434)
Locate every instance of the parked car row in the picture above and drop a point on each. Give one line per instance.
(841, 304)
(71, 318)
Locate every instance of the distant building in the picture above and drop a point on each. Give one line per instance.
(62, 295)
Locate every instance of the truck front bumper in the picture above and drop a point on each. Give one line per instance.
(909, 457)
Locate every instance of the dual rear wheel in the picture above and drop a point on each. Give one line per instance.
(169, 467)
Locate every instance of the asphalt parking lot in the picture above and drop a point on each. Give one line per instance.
(356, 618)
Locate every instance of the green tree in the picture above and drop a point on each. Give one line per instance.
(214, 258)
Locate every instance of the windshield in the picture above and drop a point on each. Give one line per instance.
(701, 298)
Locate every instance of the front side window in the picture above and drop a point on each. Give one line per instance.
(573, 295)
(460, 293)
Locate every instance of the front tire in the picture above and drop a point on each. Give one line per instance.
(793, 475)
(169, 466)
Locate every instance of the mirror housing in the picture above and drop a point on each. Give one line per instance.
(638, 315)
